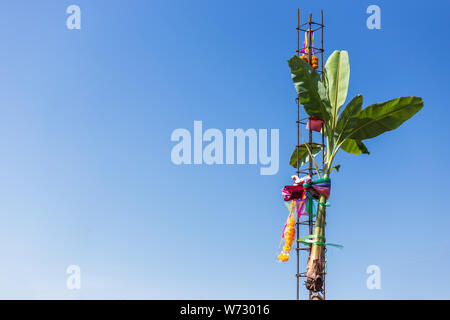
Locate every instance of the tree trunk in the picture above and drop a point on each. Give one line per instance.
(316, 260)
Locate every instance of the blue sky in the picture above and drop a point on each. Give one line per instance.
(86, 176)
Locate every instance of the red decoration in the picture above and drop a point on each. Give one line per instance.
(292, 192)
(316, 124)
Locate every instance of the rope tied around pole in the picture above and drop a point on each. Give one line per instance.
(313, 239)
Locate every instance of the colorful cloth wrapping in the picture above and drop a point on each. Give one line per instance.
(292, 192)
(322, 186)
(301, 196)
(305, 194)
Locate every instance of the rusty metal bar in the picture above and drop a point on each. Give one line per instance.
(298, 163)
(303, 121)
(323, 142)
(310, 229)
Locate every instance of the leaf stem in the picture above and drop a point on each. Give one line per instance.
(312, 158)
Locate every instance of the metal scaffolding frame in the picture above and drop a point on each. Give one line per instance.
(311, 27)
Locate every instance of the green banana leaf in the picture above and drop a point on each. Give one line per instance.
(385, 116)
(336, 78)
(310, 89)
(354, 147)
(303, 154)
(350, 116)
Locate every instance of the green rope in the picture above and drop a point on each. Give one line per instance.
(312, 239)
(308, 185)
(321, 180)
(324, 204)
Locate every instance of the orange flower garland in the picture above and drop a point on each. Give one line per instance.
(289, 234)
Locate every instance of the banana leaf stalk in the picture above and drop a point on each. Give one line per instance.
(316, 259)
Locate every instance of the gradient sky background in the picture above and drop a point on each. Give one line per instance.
(86, 176)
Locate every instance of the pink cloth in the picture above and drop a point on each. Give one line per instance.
(316, 124)
(292, 192)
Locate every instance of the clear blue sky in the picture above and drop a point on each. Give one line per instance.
(86, 176)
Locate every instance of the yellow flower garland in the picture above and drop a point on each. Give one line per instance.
(289, 234)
